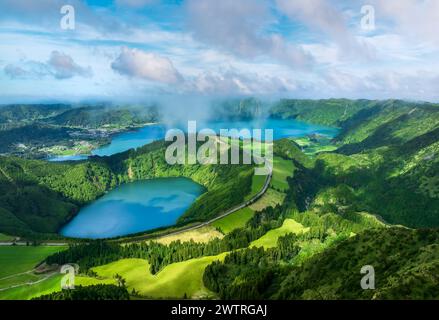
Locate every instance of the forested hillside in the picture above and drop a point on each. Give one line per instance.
(38, 196)
(405, 262)
(15, 114)
(39, 131)
(370, 196)
(385, 165)
(97, 117)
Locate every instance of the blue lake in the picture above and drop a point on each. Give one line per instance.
(145, 205)
(137, 138)
(134, 207)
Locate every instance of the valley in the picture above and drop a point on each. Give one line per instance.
(363, 192)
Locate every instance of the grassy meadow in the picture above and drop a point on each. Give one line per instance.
(235, 220)
(269, 240)
(18, 259)
(282, 169)
(5, 237)
(200, 235)
(177, 280)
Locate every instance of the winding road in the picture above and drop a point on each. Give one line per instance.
(205, 223)
(169, 233)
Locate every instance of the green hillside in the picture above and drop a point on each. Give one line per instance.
(39, 197)
(405, 261)
(332, 207)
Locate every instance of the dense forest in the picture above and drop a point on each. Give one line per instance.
(94, 292)
(386, 164)
(405, 264)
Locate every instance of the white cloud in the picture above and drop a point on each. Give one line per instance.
(148, 66)
(322, 16)
(232, 81)
(64, 67)
(417, 19)
(60, 66)
(240, 27)
(15, 71)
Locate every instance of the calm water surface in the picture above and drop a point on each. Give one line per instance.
(134, 139)
(134, 207)
(145, 205)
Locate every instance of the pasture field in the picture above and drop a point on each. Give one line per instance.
(257, 185)
(46, 284)
(5, 237)
(269, 240)
(270, 198)
(201, 235)
(312, 148)
(18, 279)
(26, 292)
(233, 221)
(177, 280)
(282, 169)
(18, 259)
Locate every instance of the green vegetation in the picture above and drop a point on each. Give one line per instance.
(271, 198)
(103, 116)
(200, 235)
(405, 262)
(5, 237)
(178, 280)
(39, 197)
(24, 113)
(282, 169)
(331, 112)
(233, 221)
(93, 292)
(19, 279)
(26, 292)
(315, 144)
(326, 213)
(18, 259)
(269, 240)
(38, 131)
(96, 253)
(258, 182)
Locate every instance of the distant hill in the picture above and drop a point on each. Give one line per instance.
(96, 117)
(32, 135)
(85, 116)
(29, 112)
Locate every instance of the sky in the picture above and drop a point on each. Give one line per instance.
(135, 50)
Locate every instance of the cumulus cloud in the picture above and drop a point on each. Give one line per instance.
(232, 81)
(324, 17)
(148, 66)
(419, 85)
(63, 66)
(14, 71)
(60, 66)
(240, 27)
